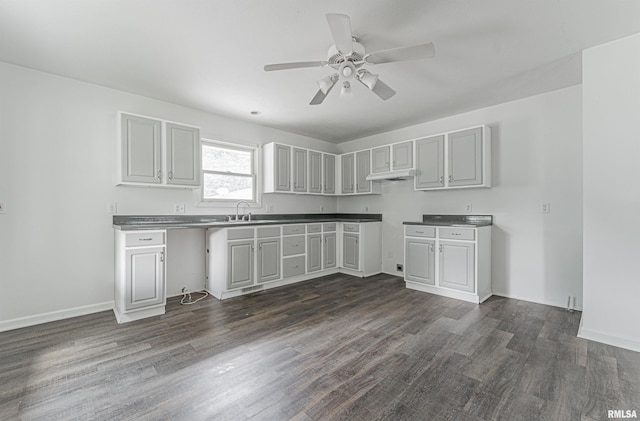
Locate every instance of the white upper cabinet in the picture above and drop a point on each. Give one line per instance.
(453, 160)
(315, 172)
(299, 170)
(183, 155)
(381, 159)
(430, 162)
(329, 174)
(277, 168)
(363, 166)
(157, 153)
(140, 145)
(347, 174)
(402, 155)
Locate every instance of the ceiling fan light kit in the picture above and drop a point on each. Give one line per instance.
(347, 56)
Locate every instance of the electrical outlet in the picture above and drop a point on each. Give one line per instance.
(399, 267)
(546, 208)
(178, 208)
(366, 209)
(321, 208)
(112, 207)
(468, 207)
(3, 208)
(269, 208)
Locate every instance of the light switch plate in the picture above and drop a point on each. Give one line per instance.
(546, 208)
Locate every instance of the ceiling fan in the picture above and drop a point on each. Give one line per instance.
(347, 56)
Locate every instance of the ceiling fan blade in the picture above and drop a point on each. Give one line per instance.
(413, 52)
(295, 65)
(340, 26)
(383, 90)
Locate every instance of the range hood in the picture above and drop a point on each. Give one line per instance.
(392, 175)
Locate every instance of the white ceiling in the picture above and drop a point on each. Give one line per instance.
(209, 55)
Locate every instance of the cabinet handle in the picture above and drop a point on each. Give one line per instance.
(431, 248)
(170, 175)
(442, 178)
(450, 178)
(294, 267)
(162, 256)
(387, 164)
(146, 239)
(420, 232)
(440, 248)
(260, 245)
(159, 176)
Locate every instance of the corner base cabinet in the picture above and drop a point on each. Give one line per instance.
(140, 274)
(450, 261)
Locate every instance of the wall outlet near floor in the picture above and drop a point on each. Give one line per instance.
(178, 208)
(468, 207)
(546, 208)
(3, 208)
(399, 267)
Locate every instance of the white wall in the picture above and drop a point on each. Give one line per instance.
(57, 162)
(611, 105)
(537, 157)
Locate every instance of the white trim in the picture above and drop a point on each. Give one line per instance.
(531, 300)
(54, 316)
(605, 338)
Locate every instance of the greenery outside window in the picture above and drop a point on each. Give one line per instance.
(228, 172)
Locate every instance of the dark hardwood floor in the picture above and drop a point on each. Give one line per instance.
(337, 347)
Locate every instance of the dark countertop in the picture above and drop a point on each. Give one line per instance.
(149, 222)
(471, 221)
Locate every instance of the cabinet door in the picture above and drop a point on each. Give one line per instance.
(239, 263)
(465, 157)
(314, 252)
(350, 251)
(329, 173)
(141, 149)
(403, 155)
(144, 277)
(363, 167)
(183, 155)
(315, 172)
(282, 168)
(381, 159)
(420, 260)
(329, 250)
(299, 170)
(347, 168)
(430, 162)
(268, 259)
(457, 265)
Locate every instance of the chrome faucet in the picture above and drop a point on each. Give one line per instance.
(237, 207)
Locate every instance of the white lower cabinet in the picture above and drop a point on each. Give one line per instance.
(242, 260)
(140, 274)
(454, 262)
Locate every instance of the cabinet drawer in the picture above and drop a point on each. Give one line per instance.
(420, 231)
(314, 228)
(293, 245)
(458, 233)
(351, 227)
(329, 227)
(292, 266)
(293, 229)
(153, 238)
(240, 234)
(268, 232)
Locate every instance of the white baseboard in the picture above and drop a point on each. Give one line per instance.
(548, 303)
(605, 338)
(54, 316)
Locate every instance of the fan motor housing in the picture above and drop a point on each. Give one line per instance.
(335, 58)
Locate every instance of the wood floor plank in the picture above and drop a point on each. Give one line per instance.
(333, 348)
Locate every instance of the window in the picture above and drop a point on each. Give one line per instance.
(228, 172)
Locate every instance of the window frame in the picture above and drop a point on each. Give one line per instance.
(255, 173)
